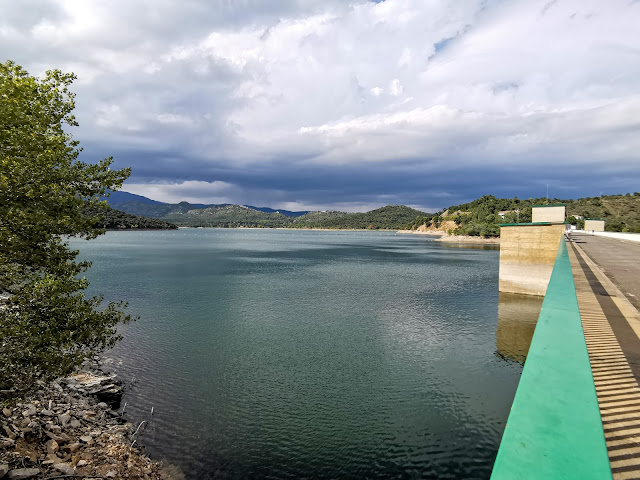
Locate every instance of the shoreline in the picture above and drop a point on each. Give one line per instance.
(446, 238)
(439, 236)
(71, 427)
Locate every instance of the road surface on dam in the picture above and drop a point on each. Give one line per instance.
(618, 259)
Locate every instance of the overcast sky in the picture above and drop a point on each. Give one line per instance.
(350, 105)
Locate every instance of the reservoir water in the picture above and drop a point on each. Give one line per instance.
(277, 354)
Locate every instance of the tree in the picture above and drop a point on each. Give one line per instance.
(47, 325)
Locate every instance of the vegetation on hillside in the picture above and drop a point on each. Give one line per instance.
(155, 210)
(47, 324)
(621, 213)
(391, 217)
(482, 217)
(230, 216)
(113, 219)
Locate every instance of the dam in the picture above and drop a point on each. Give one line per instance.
(576, 413)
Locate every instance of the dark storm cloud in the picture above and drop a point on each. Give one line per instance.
(330, 104)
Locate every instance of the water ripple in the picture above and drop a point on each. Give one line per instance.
(324, 355)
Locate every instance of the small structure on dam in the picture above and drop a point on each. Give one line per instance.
(528, 250)
(554, 213)
(593, 225)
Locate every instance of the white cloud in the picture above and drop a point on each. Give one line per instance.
(236, 85)
(395, 87)
(190, 191)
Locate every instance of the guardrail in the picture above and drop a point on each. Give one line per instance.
(632, 237)
(554, 430)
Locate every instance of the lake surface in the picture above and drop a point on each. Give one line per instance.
(277, 354)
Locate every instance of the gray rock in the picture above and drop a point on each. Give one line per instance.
(9, 432)
(7, 412)
(7, 442)
(47, 413)
(74, 423)
(64, 419)
(86, 439)
(72, 447)
(31, 410)
(82, 463)
(51, 446)
(4, 469)
(53, 436)
(65, 468)
(23, 473)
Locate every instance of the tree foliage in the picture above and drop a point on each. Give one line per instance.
(47, 324)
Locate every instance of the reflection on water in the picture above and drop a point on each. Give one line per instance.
(472, 246)
(517, 317)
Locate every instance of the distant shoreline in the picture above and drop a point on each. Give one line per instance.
(438, 236)
(446, 238)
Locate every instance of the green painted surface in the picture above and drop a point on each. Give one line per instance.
(523, 224)
(554, 430)
(532, 223)
(550, 205)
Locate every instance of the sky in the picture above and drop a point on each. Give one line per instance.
(347, 105)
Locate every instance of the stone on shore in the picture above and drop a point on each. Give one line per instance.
(23, 473)
(65, 468)
(68, 429)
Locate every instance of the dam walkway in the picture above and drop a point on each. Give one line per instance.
(576, 412)
(607, 280)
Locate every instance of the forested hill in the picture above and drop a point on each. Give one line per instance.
(143, 206)
(392, 217)
(481, 217)
(118, 220)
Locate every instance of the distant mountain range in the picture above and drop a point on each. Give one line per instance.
(226, 215)
(128, 202)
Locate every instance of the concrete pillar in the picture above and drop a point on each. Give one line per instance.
(527, 255)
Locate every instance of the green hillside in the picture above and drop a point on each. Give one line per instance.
(389, 217)
(621, 213)
(160, 210)
(117, 220)
(228, 216)
(393, 217)
(480, 217)
(317, 218)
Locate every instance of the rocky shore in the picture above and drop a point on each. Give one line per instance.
(72, 429)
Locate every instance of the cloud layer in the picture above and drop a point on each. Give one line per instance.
(337, 105)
